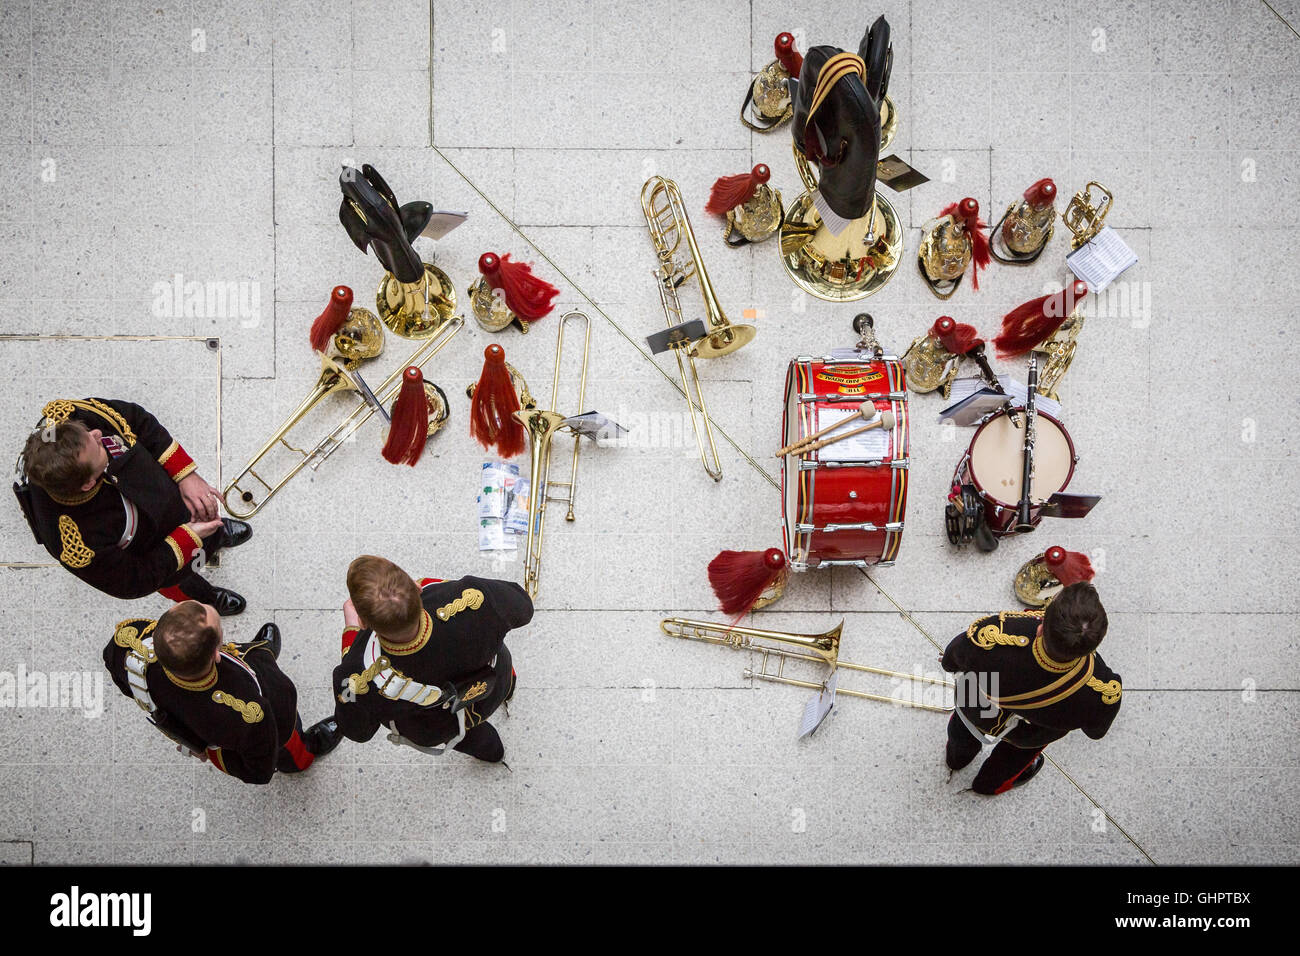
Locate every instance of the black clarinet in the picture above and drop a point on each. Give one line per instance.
(1023, 522)
(977, 355)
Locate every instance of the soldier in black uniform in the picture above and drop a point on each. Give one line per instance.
(230, 704)
(1029, 678)
(427, 661)
(118, 502)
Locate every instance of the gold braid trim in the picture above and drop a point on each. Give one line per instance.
(203, 683)
(75, 553)
(60, 410)
(414, 644)
(250, 711)
(991, 635)
(1048, 663)
(129, 636)
(475, 692)
(471, 598)
(360, 683)
(1110, 690)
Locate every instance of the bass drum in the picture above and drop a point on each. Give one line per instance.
(844, 503)
(994, 466)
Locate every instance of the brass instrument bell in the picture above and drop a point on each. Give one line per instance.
(416, 310)
(1058, 352)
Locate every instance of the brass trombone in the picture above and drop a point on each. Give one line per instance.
(541, 425)
(665, 215)
(249, 492)
(821, 648)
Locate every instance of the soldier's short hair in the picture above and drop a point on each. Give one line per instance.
(385, 596)
(184, 641)
(54, 457)
(1074, 622)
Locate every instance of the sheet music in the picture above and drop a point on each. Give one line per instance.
(972, 399)
(442, 223)
(869, 445)
(830, 219)
(600, 428)
(1100, 260)
(815, 711)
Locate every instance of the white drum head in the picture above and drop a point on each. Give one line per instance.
(997, 459)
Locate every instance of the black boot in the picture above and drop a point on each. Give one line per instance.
(1029, 772)
(270, 634)
(484, 743)
(228, 603)
(322, 736)
(234, 532)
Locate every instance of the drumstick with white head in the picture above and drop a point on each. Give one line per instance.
(866, 410)
(886, 421)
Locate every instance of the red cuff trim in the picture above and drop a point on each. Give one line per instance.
(425, 582)
(214, 755)
(185, 544)
(176, 461)
(350, 635)
(174, 593)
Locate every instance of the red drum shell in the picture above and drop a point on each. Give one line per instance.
(816, 493)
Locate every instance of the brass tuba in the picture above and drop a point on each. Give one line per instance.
(821, 648)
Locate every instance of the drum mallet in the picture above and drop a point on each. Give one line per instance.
(867, 410)
(886, 422)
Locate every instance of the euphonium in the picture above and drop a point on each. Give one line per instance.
(821, 649)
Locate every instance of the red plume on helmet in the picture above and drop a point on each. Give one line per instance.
(332, 319)
(1034, 321)
(1041, 194)
(491, 412)
(409, 428)
(1069, 567)
(788, 55)
(968, 213)
(739, 578)
(527, 296)
(732, 191)
(956, 337)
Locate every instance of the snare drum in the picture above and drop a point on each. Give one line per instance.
(994, 465)
(844, 503)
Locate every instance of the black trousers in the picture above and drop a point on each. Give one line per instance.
(481, 740)
(1002, 767)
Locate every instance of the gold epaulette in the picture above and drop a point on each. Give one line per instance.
(471, 598)
(75, 553)
(251, 711)
(1110, 690)
(128, 635)
(60, 410)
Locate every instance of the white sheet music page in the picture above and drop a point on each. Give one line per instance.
(832, 220)
(870, 445)
(1100, 260)
(815, 711)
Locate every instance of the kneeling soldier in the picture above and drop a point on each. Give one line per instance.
(427, 661)
(1030, 677)
(118, 502)
(230, 704)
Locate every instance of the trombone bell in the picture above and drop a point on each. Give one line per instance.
(821, 649)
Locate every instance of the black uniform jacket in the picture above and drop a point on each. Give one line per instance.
(85, 532)
(245, 710)
(464, 627)
(1008, 662)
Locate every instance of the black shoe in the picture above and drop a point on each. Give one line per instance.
(228, 603)
(270, 633)
(483, 743)
(234, 532)
(322, 736)
(1029, 772)
(953, 763)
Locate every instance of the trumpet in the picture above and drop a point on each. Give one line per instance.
(355, 341)
(665, 215)
(541, 425)
(821, 649)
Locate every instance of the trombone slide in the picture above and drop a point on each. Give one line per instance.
(246, 495)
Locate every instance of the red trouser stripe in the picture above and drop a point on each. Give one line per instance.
(1010, 783)
(298, 751)
(174, 593)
